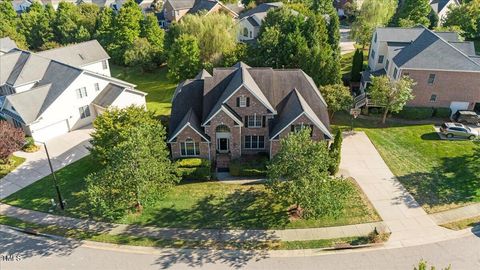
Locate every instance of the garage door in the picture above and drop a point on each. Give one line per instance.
(51, 131)
(458, 105)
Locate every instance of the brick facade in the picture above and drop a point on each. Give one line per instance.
(317, 134)
(189, 133)
(448, 86)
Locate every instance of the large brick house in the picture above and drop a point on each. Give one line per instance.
(241, 110)
(446, 69)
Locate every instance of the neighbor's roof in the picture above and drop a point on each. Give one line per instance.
(182, 4)
(261, 10)
(79, 55)
(430, 51)
(32, 103)
(108, 95)
(439, 5)
(6, 44)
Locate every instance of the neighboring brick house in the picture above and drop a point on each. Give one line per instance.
(241, 111)
(174, 10)
(446, 70)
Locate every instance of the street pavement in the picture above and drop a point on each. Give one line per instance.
(346, 43)
(24, 252)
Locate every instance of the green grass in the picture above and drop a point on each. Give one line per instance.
(122, 239)
(10, 165)
(159, 88)
(346, 63)
(440, 174)
(190, 204)
(463, 224)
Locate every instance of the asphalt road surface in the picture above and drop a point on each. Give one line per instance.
(22, 251)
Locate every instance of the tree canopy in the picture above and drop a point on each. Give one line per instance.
(288, 40)
(298, 175)
(372, 14)
(337, 96)
(465, 17)
(414, 12)
(11, 140)
(392, 94)
(136, 169)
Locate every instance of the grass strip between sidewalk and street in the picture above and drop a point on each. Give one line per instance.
(463, 224)
(122, 239)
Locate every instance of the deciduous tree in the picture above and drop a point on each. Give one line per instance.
(184, 58)
(11, 140)
(466, 17)
(298, 175)
(138, 169)
(337, 96)
(414, 12)
(393, 94)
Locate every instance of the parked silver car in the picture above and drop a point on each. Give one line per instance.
(458, 130)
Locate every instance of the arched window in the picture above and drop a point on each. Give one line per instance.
(222, 128)
(245, 32)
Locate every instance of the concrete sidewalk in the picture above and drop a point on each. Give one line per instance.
(192, 234)
(407, 220)
(63, 151)
(465, 212)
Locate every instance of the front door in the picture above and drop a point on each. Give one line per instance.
(222, 145)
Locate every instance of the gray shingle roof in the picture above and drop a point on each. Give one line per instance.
(200, 5)
(398, 34)
(262, 8)
(207, 95)
(295, 105)
(6, 45)
(429, 51)
(108, 95)
(240, 78)
(467, 47)
(78, 55)
(182, 4)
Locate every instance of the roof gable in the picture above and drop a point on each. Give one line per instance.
(78, 55)
(429, 51)
(241, 78)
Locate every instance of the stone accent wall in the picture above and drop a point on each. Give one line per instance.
(189, 133)
(255, 107)
(448, 86)
(317, 134)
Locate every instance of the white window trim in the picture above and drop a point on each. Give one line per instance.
(251, 140)
(255, 118)
(83, 111)
(184, 143)
(81, 94)
(243, 101)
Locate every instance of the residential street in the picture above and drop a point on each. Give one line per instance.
(37, 253)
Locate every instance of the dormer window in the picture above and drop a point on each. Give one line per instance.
(243, 101)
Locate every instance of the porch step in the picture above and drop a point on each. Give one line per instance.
(222, 161)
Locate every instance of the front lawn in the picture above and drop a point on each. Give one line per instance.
(159, 88)
(190, 204)
(440, 174)
(12, 163)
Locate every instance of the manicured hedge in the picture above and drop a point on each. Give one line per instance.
(249, 167)
(194, 169)
(421, 113)
(442, 112)
(415, 113)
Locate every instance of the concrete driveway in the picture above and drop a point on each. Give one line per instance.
(346, 43)
(63, 150)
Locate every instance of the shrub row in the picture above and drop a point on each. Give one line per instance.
(421, 113)
(194, 169)
(249, 167)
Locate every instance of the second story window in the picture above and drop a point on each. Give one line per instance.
(243, 101)
(81, 92)
(433, 98)
(395, 72)
(84, 112)
(431, 79)
(254, 121)
(104, 64)
(380, 59)
(97, 86)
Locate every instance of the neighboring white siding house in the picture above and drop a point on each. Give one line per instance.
(441, 7)
(60, 90)
(250, 22)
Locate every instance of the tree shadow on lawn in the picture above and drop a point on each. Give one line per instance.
(250, 208)
(455, 181)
